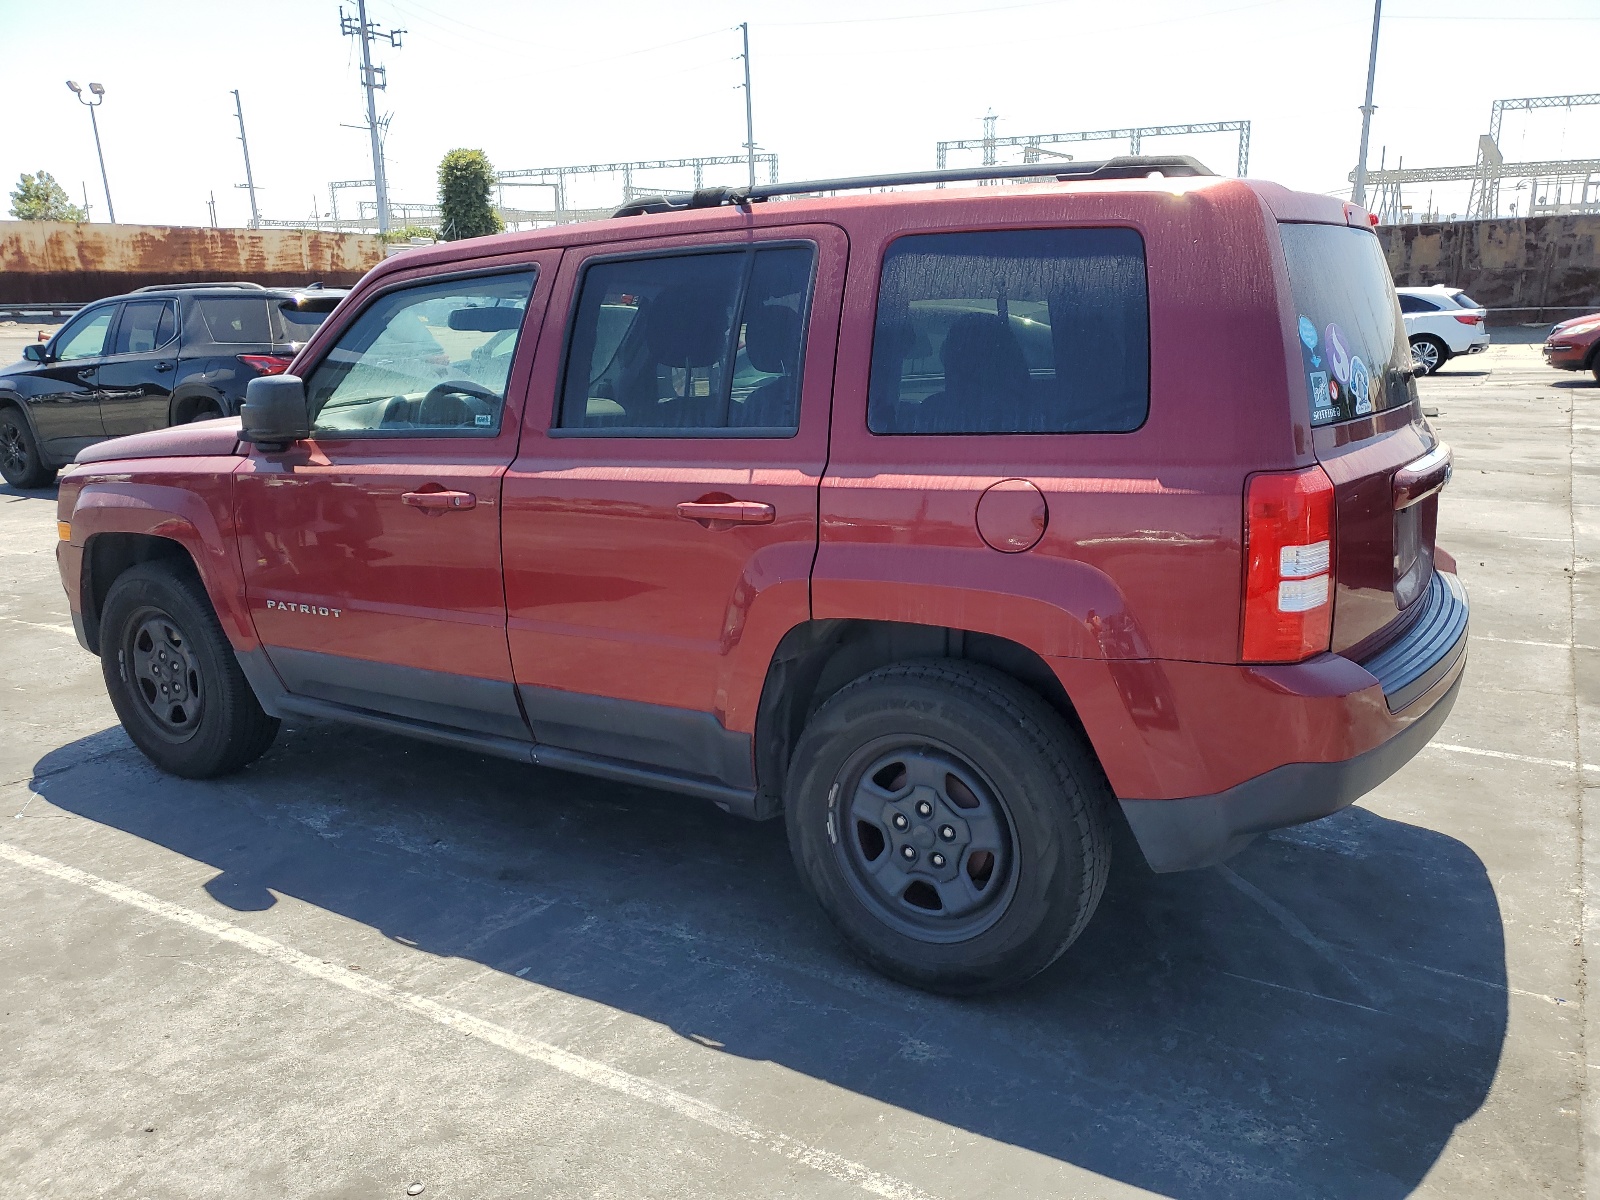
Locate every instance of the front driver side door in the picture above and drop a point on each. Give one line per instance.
(371, 550)
(63, 398)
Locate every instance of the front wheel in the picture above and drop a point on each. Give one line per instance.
(21, 464)
(1427, 354)
(951, 825)
(173, 677)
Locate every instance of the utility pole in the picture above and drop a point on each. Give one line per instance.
(749, 119)
(212, 205)
(249, 179)
(1359, 193)
(85, 188)
(373, 80)
(99, 94)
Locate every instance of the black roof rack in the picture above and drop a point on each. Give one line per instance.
(1127, 167)
(184, 287)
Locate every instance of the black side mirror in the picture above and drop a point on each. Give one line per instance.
(274, 412)
(34, 352)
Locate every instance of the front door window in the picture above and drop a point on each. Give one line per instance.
(429, 361)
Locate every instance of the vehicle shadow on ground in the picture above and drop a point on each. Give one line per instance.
(1314, 1019)
(7, 492)
(1577, 382)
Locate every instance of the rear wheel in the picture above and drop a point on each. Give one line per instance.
(173, 677)
(1428, 353)
(21, 464)
(951, 825)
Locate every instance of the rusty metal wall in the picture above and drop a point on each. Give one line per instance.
(1536, 268)
(58, 261)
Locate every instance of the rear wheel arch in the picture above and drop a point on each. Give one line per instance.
(106, 556)
(817, 659)
(185, 405)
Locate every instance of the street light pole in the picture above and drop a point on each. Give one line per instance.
(1359, 193)
(99, 94)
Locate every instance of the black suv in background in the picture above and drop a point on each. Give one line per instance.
(163, 355)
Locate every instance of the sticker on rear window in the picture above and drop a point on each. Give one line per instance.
(1360, 387)
(1308, 332)
(482, 419)
(1338, 348)
(1321, 399)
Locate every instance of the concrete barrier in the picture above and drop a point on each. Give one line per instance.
(1526, 270)
(58, 261)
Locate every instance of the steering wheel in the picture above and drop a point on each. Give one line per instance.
(463, 387)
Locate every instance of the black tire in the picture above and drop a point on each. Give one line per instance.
(1428, 353)
(158, 631)
(1030, 788)
(21, 464)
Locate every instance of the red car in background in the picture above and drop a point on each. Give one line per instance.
(1575, 345)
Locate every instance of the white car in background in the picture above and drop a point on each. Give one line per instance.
(1441, 322)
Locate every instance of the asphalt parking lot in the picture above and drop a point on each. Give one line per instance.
(366, 963)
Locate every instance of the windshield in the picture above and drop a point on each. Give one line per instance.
(1353, 346)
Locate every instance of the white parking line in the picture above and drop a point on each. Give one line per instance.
(1527, 758)
(842, 1169)
(66, 629)
(1484, 637)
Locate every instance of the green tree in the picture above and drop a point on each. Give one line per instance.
(406, 232)
(40, 198)
(466, 180)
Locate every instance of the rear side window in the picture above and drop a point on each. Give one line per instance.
(706, 344)
(236, 320)
(1416, 304)
(146, 325)
(1465, 301)
(1025, 331)
(1353, 346)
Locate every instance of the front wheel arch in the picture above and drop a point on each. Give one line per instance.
(108, 556)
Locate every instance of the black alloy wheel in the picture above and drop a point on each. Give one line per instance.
(21, 465)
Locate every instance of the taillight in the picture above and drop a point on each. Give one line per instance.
(265, 364)
(1288, 589)
(1469, 318)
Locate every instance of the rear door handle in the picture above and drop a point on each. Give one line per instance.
(163, 366)
(721, 514)
(439, 502)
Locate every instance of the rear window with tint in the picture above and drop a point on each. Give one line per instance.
(1016, 331)
(299, 319)
(1353, 348)
(236, 320)
(1465, 301)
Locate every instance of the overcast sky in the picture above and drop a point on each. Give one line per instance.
(841, 86)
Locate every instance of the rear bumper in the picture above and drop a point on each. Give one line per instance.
(1408, 692)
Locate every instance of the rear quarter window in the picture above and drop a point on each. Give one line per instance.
(236, 320)
(1353, 348)
(1012, 331)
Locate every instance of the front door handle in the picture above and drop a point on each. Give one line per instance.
(85, 373)
(724, 514)
(163, 366)
(439, 502)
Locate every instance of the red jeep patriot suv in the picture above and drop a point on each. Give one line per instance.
(946, 523)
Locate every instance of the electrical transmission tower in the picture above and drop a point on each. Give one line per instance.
(373, 80)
